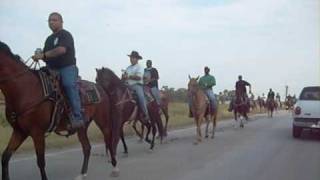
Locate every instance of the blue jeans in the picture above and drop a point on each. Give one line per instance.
(69, 77)
(212, 98)
(156, 94)
(138, 89)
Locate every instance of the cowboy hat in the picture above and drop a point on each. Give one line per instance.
(135, 54)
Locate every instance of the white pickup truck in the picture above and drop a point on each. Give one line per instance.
(306, 114)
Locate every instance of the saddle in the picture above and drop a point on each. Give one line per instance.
(52, 89)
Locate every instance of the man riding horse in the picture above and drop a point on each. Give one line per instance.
(134, 78)
(270, 101)
(206, 83)
(241, 93)
(59, 55)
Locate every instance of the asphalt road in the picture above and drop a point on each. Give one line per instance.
(263, 150)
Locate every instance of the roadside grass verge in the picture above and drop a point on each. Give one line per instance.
(178, 113)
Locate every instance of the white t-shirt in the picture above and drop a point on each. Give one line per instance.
(135, 70)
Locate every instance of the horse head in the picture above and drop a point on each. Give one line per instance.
(193, 85)
(107, 79)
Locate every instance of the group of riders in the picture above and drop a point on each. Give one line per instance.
(59, 54)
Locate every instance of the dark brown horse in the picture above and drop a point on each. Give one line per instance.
(125, 107)
(240, 108)
(271, 105)
(200, 107)
(164, 105)
(29, 114)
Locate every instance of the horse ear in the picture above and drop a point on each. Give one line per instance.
(197, 78)
(189, 77)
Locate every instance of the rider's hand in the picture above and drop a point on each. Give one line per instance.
(38, 56)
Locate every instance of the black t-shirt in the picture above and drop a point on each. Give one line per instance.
(271, 95)
(153, 75)
(241, 86)
(62, 38)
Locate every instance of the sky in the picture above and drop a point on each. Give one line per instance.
(271, 43)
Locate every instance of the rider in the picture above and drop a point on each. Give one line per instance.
(270, 97)
(59, 54)
(206, 83)
(241, 91)
(134, 78)
(151, 77)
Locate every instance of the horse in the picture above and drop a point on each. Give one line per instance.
(29, 113)
(240, 108)
(200, 108)
(125, 106)
(261, 104)
(271, 104)
(164, 106)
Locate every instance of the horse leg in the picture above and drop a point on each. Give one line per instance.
(134, 126)
(154, 132)
(86, 150)
(39, 143)
(214, 124)
(165, 112)
(112, 141)
(147, 135)
(123, 142)
(16, 140)
(207, 126)
(199, 122)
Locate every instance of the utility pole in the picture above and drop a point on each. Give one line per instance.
(287, 88)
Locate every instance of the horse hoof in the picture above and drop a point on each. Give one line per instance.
(115, 172)
(81, 177)
(206, 136)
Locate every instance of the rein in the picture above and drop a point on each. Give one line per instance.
(124, 99)
(33, 66)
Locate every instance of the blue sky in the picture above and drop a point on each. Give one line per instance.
(272, 43)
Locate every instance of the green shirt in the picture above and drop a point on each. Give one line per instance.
(207, 82)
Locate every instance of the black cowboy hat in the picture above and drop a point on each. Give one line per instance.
(135, 54)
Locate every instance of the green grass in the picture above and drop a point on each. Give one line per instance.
(178, 118)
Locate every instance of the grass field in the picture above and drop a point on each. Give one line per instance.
(178, 118)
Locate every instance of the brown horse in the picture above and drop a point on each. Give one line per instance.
(164, 106)
(200, 108)
(29, 114)
(240, 108)
(125, 106)
(271, 105)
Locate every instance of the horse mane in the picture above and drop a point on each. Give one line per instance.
(7, 51)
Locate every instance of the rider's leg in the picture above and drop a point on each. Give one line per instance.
(212, 99)
(141, 100)
(69, 77)
(156, 94)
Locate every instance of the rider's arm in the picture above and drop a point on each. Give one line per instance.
(154, 75)
(58, 51)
